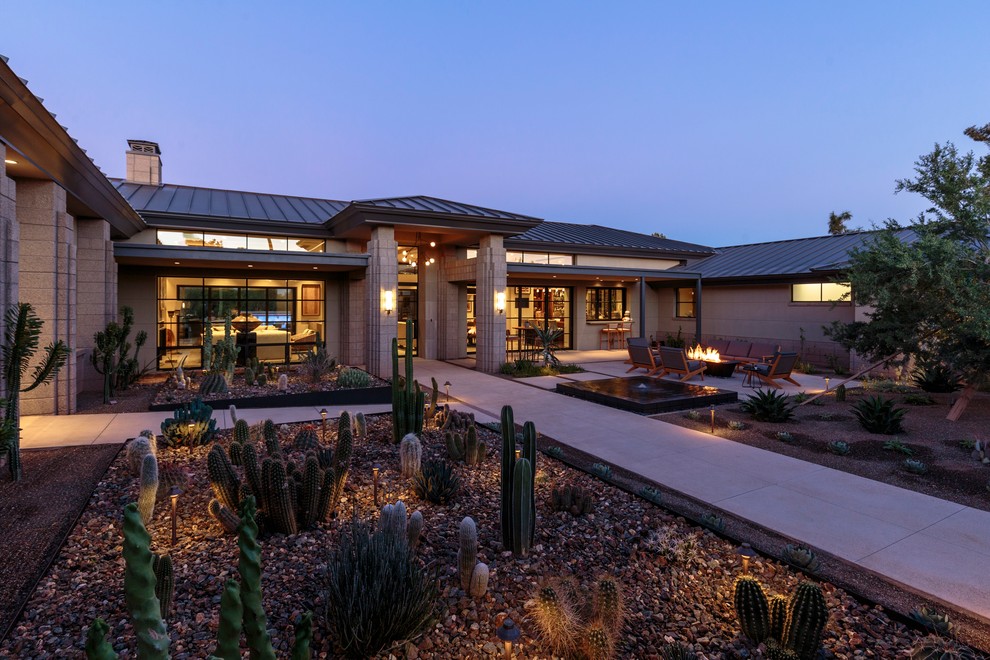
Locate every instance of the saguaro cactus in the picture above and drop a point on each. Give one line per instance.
(20, 343)
(518, 515)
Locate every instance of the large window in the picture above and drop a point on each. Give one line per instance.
(531, 307)
(240, 241)
(685, 303)
(529, 257)
(820, 292)
(605, 304)
(275, 320)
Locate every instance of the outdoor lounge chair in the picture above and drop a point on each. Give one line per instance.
(770, 372)
(641, 357)
(675, 361)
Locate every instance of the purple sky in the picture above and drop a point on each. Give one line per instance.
(716, 123)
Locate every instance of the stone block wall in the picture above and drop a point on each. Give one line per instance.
(9, 245)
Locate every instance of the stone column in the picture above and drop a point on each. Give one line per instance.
(9, 245)
(428, 283)
(451, 309)
(383, 275)
(490, 277)
(96, 296)
(48, 281)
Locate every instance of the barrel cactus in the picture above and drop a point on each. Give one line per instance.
(410, 455)
(807, 614)
(752, 608)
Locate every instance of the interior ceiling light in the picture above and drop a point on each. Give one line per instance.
(9, 161)
(176, 263)
(250, 265)
(433, 243)
(314, 267)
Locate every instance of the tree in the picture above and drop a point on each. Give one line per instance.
(931, 295)
(837, 223)
(22, 332)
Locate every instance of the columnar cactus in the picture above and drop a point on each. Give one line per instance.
(407, 399)
(752, 608)
(518, 514)
(139, 589)
(610, 604)
(231, 614)
(807, 614)
(149, 487)
(473, 574)
(281, 513)
(164, 583)
(224, 481)
(431, 411)
(462, 443)
(312, 484)
(249, 568)
(557, 620)
(137, 449)
(574, 499)
(392, 520)
(777, 607)
(306, 439)
(226, 517)
(410, 455)
(360, 426)
(341, 460)
(283, 383)
(232, 409)
(597, 643)
(414, 530)
(97, 646)
(242, 432)
(522, 506)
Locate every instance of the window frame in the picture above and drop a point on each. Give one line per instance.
(678, 303)
(821, 296)
(603, 299)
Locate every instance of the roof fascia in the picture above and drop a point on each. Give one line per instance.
(32, 131)
(213, 223)
(355, 215)
(580, 248)
(651, 275)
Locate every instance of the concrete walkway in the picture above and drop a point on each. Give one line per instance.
(930, 545)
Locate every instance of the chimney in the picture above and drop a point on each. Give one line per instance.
(144, 162)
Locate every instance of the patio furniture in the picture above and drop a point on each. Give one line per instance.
(605, 336)
(770, 372)
(722, 368)
(621, 333)
(675, 361)
(641, 357)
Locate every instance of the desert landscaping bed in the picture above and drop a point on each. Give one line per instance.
(677, 585)
(953, 473)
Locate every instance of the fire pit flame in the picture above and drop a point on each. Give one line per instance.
(705, 354)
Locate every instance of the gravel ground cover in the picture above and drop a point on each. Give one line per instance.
(677, 578)
(38, 512)
(953, 473)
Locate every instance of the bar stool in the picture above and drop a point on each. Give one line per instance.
(605, 336)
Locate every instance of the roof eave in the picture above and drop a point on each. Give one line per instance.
(32, 131)
(352, 218)
(209, 222)
(605, 250)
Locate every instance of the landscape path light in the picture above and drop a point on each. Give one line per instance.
(323, 414)
(375, 469)
(826, 383)
(745, 553)
(508, 633)
(173, 495)
(446, 386)
(712, 407)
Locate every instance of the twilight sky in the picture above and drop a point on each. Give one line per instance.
(713, 122)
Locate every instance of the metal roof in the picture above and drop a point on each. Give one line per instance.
(606, 237)
(212, 202)
(801, 256)
(425, 204)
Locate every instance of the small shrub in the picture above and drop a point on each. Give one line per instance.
(769, 406)
(367, 612)
(915, 466)
(839, 448)
(693, 415)
(918, 400)
(933, 376)
(737, 426)
(436, 482)
(899, 447)
(968, 444)
(602, 470)
(800, 397)
(353, 378)
(878, 415)
(317, 363)
(805, 368)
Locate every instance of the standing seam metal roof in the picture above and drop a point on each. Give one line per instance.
(801, 256)
(437, 205)
(575, 234)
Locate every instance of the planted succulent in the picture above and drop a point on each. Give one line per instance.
(878, 415)
(602, 470)
(826, 417)
(932, 620)
(350, 378)
(839, 448)
(968, 444)
(713, 522)
(737, 425)
(650, 494)
(574, 499)
(436, 482)
(460, 434)
(802, 557)
(666, 543)
(931, 375)
(793, 630)
(192, 425)
(899, 447)
(934, 647)
(840, 394)
(769, 406)
(694, 415)
(784, 436)
(914, 466)
(571, 628)
(306, 439)
(555, 451)
(473, 573)
(675, 651)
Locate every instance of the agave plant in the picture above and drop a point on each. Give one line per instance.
(934, 647)
(839, 447)
(933, 620)
(21, 337)
(548, 340)
(436, 482)
(769, 406)
(878, 415)
(933, 376)
(915, 466)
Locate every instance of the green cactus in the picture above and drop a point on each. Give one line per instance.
(306, 439)
(249, 568)
(610, 605)
(752, 608)
(226, 517)
(139, 589)
(312, 484)
(303, 638)
(840, 393)
(281, 513)
(262, 379)
(269, 432)
(514, 498)
(574, 499)
(249, 376)
(213, 383)
(461, 438)
(777, 608)
(467, 552)
(164, 583)
(341, 460)
(807, 614)
(231, 614)
(556, 618)
(675, 651)
(522, 506)
(137, 449)
(410, 455)
(392, 520)
(598, 643)
(431, 411)
(149, 487)
(242, 432)
(407, 399)
(414, 530)
(97, 646)
(224, 481)
(360, 426)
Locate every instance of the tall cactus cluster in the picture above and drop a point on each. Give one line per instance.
(392, 522)
(408, 400)
(569, 627)
(191, 425)
(240, 604)
(518, 514)
(219, 359)
(460, 434)
(794, 625)
(473, 573)
(290, 497)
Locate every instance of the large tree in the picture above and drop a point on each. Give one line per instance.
(930, 293)
(837, 222)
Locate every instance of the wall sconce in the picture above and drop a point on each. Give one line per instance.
(500, 302)
(507, 633)
(174, 496)
(389, 303)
